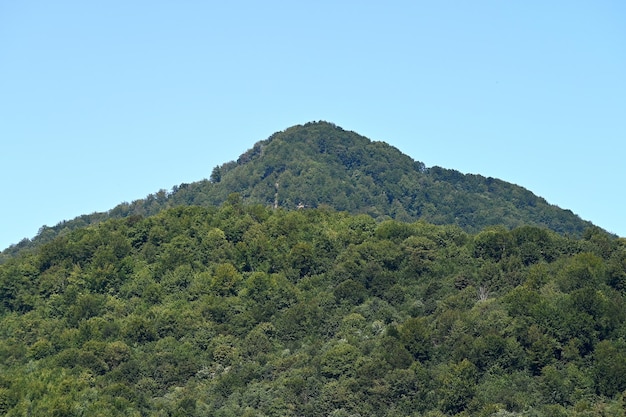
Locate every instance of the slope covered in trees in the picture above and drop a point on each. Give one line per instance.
(246, 311)
(321, 164)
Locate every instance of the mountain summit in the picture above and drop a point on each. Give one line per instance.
(320, 163)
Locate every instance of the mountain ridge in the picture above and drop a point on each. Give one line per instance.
(320, 163)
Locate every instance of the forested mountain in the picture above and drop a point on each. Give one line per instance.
(320, 164)
(320, 274)
(245, 310)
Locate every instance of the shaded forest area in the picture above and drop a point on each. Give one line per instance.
(246, 311)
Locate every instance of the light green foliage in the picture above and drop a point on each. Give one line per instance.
(339, 360)
(226, 280)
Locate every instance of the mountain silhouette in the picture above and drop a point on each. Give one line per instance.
(321, 164)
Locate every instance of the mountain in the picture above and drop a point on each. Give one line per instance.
(321, 164)
(246, 310)
(308, 278)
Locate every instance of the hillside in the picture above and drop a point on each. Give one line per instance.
(320, 164)
(244, 310)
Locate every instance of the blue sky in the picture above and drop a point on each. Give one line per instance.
(105, 102)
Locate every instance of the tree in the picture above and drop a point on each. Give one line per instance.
(457, 386)
(216, 174)
(415, 335)
(350, 291)
(494, 243)
(610, 367)
(226, 279)
(584, 269)
(339, 360)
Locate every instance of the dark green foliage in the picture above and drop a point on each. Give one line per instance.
(247, 310)
(416, 337)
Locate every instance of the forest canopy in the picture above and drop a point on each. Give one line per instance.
(242, 310)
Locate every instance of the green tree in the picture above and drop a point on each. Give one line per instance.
(494, 244)
(610, 367)
(226, 279)
(216, 174)
(416, 336)
(339, 360)
(584, 269)
(457, 386)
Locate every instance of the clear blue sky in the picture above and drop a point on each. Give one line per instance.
(107, 101)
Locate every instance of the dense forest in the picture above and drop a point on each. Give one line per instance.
(245, 310)
(320, 164)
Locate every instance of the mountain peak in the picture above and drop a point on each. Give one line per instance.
(320, 163)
